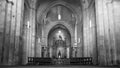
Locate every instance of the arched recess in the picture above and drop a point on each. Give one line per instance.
(47, 29)
(59, 39)
(41, 19)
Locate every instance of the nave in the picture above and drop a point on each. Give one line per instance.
(62, 33)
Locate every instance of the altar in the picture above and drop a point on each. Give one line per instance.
(59, 49)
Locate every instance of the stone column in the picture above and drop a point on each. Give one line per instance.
(51, 51)
(13, 22)
(18, 32)
(38, 48)
(100, 32)
(6, 40)
(3, 14)
(12, 32)
(105, 32)
(32, 28)
(29, 31)
(68, 52)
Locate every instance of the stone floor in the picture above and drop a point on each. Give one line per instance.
(58, 66)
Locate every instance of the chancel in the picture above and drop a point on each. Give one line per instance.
(59, 33)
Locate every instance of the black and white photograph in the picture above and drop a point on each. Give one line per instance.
(59, 33)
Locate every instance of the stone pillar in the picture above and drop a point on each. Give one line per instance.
(115, 16)
(105, 32)
(12, 30)
(32, 28)
(68, 52)
(51, 52)
(100, 32)
(111, 21)
(6, 40)
(29, 30)
(38, 48)
(3, 15)
(85, 18)
(18, 32)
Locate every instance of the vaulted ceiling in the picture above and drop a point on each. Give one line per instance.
(72, 2)
(75, 2)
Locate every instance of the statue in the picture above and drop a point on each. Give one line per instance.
(60, 37)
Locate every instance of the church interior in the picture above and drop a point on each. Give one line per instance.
(59, 32)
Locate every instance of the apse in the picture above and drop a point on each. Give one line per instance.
(59, 42)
